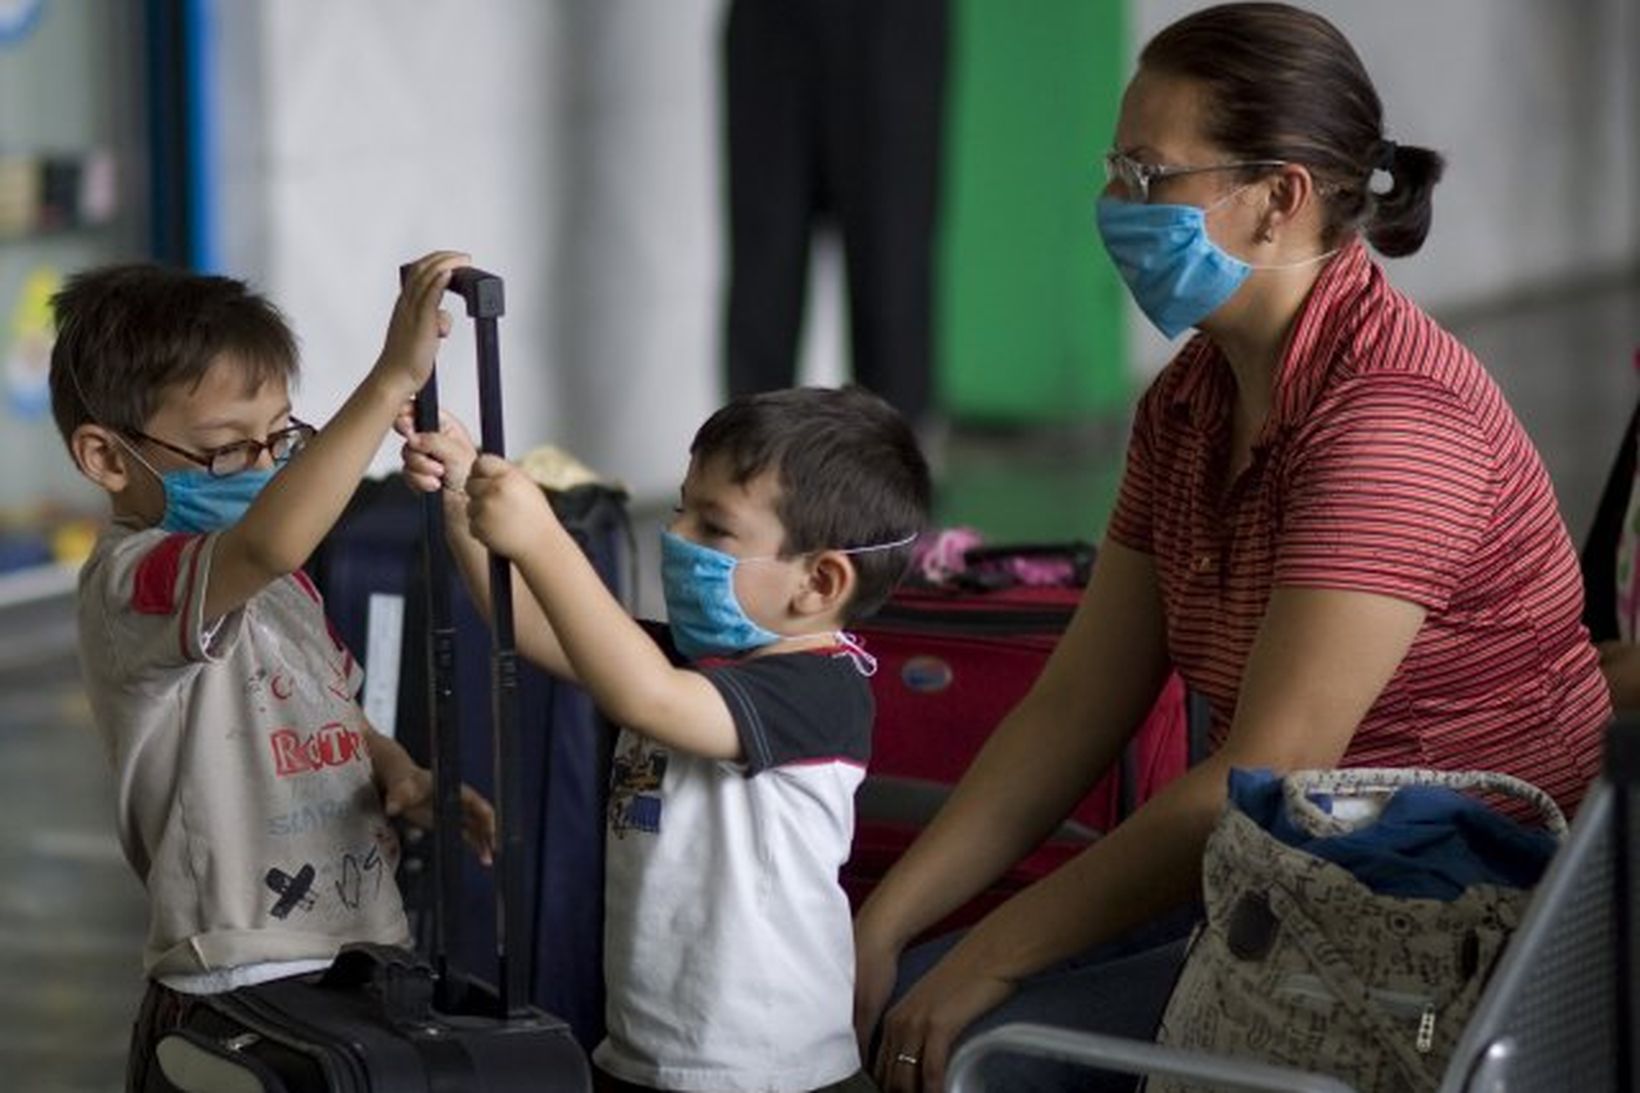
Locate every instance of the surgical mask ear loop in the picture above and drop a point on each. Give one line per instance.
(74, 378)
(873, 548)
(1266, 235)
(128, 446)
(1322, 257)
(864, 662)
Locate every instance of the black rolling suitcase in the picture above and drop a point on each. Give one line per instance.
(375, 591)
(564, 757)
(381, 1019)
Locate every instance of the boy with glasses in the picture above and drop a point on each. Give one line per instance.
(252, 794)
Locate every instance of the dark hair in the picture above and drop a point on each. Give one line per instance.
(849, 470)
(125, 333)
(1284, 84)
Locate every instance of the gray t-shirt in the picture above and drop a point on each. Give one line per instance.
(245, 798)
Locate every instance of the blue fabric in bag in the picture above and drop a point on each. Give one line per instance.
(1428, 842)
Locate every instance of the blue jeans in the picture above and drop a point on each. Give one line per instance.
(1119, 988)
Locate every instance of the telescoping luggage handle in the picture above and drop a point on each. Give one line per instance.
(485, 299)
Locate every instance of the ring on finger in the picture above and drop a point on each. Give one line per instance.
(907, 1058)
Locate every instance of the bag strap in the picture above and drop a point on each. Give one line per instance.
(1296, 787)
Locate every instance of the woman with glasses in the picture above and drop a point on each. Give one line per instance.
(1330, 523)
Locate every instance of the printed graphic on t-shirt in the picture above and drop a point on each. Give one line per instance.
(361, 878)
(305, 748)
(321, 764)
(308, 817)
(330, 745)
(294, 890)
(354, 879)
(635, 788)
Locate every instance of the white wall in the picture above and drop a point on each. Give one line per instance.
(355, 136)
(637, 271)
(569, 146)
(572, 146)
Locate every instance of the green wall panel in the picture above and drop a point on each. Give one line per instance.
(1029, 319)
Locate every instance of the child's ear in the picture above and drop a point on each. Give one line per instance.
(100, 457)
(828, 586)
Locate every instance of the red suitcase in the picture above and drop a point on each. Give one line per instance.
(951, 664)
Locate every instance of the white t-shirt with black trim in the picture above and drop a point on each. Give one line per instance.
(729, 948)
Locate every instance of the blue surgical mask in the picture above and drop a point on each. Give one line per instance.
(1177, 274)
(197, 502)
(701, 609)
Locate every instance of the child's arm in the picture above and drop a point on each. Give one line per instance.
(620, 666)
(440, 462)
(302, 502)
(406, 790)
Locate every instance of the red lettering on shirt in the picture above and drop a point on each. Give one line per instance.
(288, 758)
(333, 745)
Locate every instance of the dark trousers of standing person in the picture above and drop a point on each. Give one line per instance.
(834, 113)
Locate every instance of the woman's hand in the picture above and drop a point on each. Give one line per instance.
(919, 1031)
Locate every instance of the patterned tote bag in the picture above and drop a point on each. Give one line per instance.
(1353, 917)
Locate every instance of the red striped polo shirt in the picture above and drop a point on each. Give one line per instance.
(1390, 463)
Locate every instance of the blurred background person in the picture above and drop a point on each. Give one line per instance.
(834, 111)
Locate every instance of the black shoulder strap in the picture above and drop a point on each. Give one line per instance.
(1599, 559)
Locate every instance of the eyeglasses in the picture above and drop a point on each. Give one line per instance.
(242, 455)
(1135, 178)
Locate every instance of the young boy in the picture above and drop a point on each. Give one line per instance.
(747, 724)
(250, 788)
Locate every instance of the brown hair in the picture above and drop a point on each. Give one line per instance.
(1283, 83)
(125, 333)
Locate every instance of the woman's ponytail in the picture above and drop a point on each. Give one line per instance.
(1398, 219)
